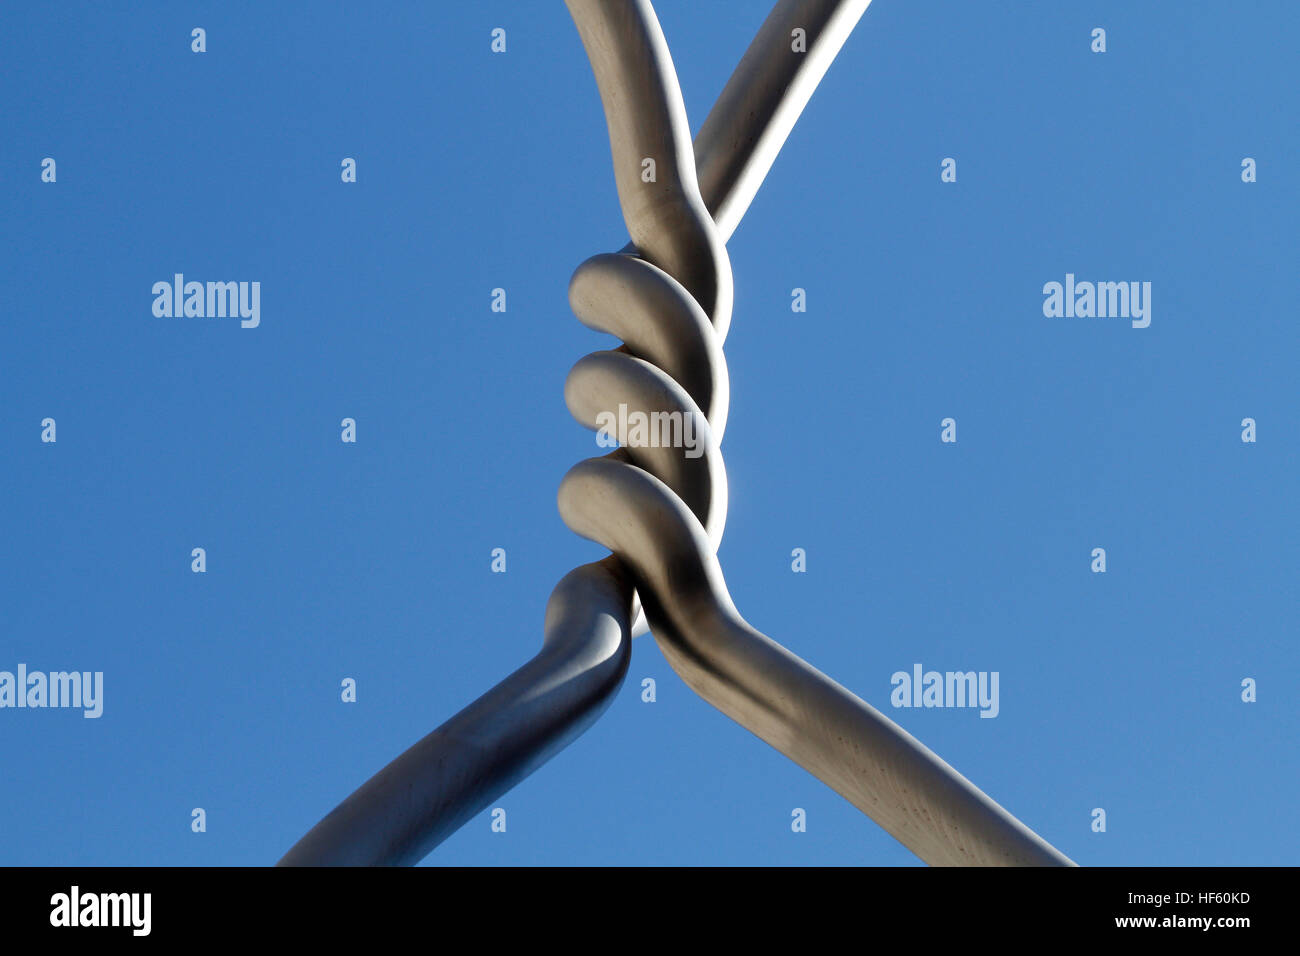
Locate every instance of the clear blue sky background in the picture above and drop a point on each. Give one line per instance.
(476, 170)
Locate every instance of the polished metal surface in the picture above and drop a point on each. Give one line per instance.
(758, 107)
(426, 794)
(661, 512)
(880, 768)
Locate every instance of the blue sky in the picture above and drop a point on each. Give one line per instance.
(477, 170)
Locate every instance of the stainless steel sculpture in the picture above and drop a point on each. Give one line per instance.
(668, 297)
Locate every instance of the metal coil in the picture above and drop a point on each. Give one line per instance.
(660, 511)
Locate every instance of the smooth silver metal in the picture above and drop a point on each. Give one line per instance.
(767, 92)
(663, 513)
(667, 219)
(855, 749)
(669, 296)
(427, 793)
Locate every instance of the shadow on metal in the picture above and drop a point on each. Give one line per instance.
(668, 296)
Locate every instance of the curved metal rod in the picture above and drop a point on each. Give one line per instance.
(416, 801)
(427, 793)
(863, 755)
(659, 513)
(666, 216)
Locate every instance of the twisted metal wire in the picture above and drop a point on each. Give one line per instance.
(668, 297)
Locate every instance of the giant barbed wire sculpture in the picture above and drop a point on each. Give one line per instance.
(660, 511)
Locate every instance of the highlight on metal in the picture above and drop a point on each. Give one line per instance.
(661, 513)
